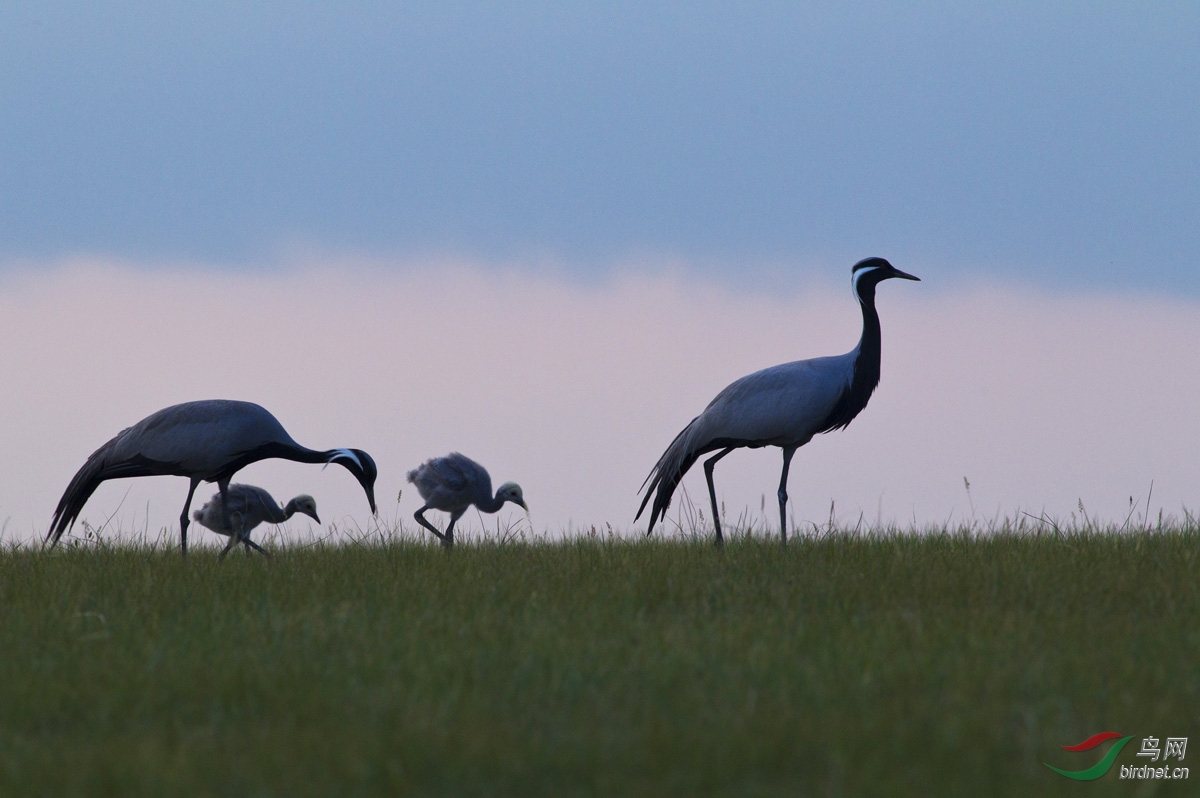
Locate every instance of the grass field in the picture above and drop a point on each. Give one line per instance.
(885, 664)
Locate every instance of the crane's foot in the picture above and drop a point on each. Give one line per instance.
(250, 544)
(441, 538)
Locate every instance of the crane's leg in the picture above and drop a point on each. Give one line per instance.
(235, 532)
(223, 487)
(241, 536)
(183, 519)
(788, 451)
(420, 516)
(448, 541)
(712, 492)
(250, 544)
(233, 541)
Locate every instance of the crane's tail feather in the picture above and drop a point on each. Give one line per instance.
(662, 489)
(85, 482)
(666, 475)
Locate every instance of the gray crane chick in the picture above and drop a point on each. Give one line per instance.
(452, 484)
(246, 507)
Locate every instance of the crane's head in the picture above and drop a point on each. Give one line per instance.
(360, 464)
(511, 492)
(870, 272)
(305, 504)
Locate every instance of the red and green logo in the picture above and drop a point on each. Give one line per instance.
(1100, 768)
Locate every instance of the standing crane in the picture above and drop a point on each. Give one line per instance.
(205, 441)
(247, 507)
(784, 406)
(452, 484)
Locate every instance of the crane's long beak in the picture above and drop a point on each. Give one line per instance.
(904, 275)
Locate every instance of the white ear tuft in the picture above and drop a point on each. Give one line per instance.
(339, 454)
(858, 275)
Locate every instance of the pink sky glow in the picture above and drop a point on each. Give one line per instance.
(1041, 401)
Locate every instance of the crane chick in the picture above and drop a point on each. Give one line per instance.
(246, 507)
(452, 484)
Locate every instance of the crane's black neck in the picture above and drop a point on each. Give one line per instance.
(271, 450)
(866, 363)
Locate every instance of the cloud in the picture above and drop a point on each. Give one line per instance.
(1056, 143)
(1041, 401)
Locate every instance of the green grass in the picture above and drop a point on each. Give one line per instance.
(938, 664)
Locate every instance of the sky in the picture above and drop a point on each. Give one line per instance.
(548, 234)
